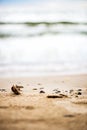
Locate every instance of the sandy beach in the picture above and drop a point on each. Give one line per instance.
(39, 108)
(43, 64)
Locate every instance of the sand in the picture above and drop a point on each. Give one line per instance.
(33, 110)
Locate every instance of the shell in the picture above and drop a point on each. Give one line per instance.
(15, 90)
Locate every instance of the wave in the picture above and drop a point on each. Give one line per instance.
(40, 34)
(45, 23)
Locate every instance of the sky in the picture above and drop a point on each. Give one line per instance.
(17, 1)
(30, 1)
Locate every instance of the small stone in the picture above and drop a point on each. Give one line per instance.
(71, 90)
(76, 96)
(42, 91)
(29, 107)
(42, 88)
(69, 115)
(79, 89)
(57, 91)
(79, 93)
(39, 83)
(54, 96)
(3, 90)
(34, 88)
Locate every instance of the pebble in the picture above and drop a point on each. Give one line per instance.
(79, 93)
(39, 83)
(79, 89)
(42, 88)
(29, 107)
(71, 90)
(34, 88)
(54, 96)
(76, 96)
(42, 91)
(69, 115)
(3, 90)
(57, 91)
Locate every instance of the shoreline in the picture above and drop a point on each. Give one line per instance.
(34, 110)
(24, 75)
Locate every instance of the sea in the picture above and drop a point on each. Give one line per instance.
(43, 38)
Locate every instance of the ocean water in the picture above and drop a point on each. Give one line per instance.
(43, 38)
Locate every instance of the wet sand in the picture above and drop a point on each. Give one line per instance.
(37, 109)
